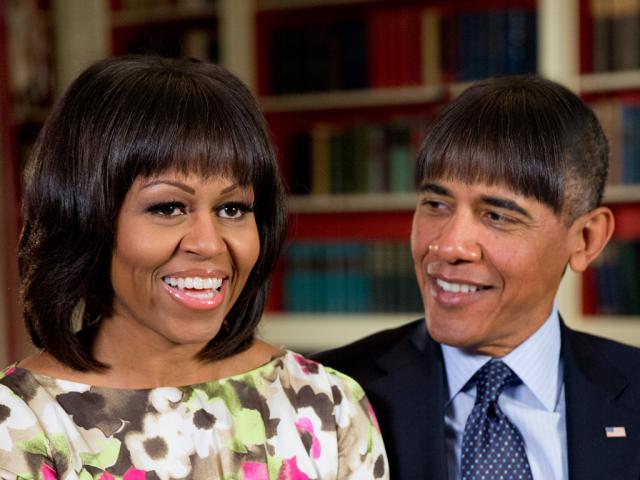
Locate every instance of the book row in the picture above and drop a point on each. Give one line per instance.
(140, 4)
(620, 121)
(399, 45)
(612, 285)
(615, 34)
(192, 40)
(350, 277)
(363, 158)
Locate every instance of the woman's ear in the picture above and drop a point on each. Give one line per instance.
(591, 233)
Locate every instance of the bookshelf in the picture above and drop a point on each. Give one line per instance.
(86, 31)
(560, 47)
(609, 79)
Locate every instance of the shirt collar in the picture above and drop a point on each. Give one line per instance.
(535, 361)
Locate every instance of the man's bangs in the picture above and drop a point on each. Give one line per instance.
(478, 153)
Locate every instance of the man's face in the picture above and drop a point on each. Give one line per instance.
(488, 261)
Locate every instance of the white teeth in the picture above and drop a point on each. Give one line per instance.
(197, 283)
(201, 296)
(456, 287)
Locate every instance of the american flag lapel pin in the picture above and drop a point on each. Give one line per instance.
(615, 432)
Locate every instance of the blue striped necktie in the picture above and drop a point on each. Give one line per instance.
(492, 447)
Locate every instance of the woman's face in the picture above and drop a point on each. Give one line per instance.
(185, 246)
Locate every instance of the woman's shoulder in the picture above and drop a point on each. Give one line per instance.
(300, 372)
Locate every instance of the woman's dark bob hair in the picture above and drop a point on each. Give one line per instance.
(122, 118)
(528, 133)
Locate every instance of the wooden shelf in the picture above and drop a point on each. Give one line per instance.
(315, 332)
(30, 115)
(622, 193)
(371, 202)
(356, 98)
(268, 5)
(132, 17)
(610, 81)
(389, 202)
(624, 329)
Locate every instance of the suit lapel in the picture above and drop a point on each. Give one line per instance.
(411, 393)
(597, 396)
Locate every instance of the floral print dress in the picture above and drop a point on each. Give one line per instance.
(290, 419)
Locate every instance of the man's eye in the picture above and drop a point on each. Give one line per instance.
(433, 204)
(499, 218)
(169, 209)
(234, 210)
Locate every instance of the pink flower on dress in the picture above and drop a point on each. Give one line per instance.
(254, 471)
(290, 470)
(304, 424)
(48, 473)
(106, 476)
(304, 363)
(9, 371)
(134, 474)
(374, 418)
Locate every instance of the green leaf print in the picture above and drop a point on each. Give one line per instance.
(60, 444)
(24, 476)
(221, 390)
(84, 475)
(249, 427)
(38, 445)
(106, 457)
(274, 464)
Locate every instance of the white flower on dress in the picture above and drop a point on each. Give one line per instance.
(163, 446)
(164, 399)
(14, 415)
(287, 443)
(212, 423)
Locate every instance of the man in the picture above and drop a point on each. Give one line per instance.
(493, 383)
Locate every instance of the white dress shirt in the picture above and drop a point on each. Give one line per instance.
(536, 406)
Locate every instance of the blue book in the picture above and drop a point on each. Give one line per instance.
(629, 142)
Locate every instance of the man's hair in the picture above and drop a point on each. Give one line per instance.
(530, 134)
(124, 118)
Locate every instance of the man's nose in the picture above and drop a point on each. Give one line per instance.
(458, 241)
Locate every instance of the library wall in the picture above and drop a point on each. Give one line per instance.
(349, 88)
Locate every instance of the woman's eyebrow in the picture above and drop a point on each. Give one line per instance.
(173, 183)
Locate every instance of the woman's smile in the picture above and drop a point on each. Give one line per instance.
(199, 291)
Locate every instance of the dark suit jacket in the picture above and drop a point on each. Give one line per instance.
(402, 372)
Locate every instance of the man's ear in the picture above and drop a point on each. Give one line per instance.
(590, 234)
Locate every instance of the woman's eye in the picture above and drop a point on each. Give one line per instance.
(169, 209)
(234, 210)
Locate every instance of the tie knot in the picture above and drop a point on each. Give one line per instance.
(492, 379)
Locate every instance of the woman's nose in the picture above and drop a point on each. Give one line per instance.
(203, 237)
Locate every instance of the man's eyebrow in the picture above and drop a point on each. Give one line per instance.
(434, 188)
(506, 204)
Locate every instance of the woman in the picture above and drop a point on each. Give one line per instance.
(153, 217)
